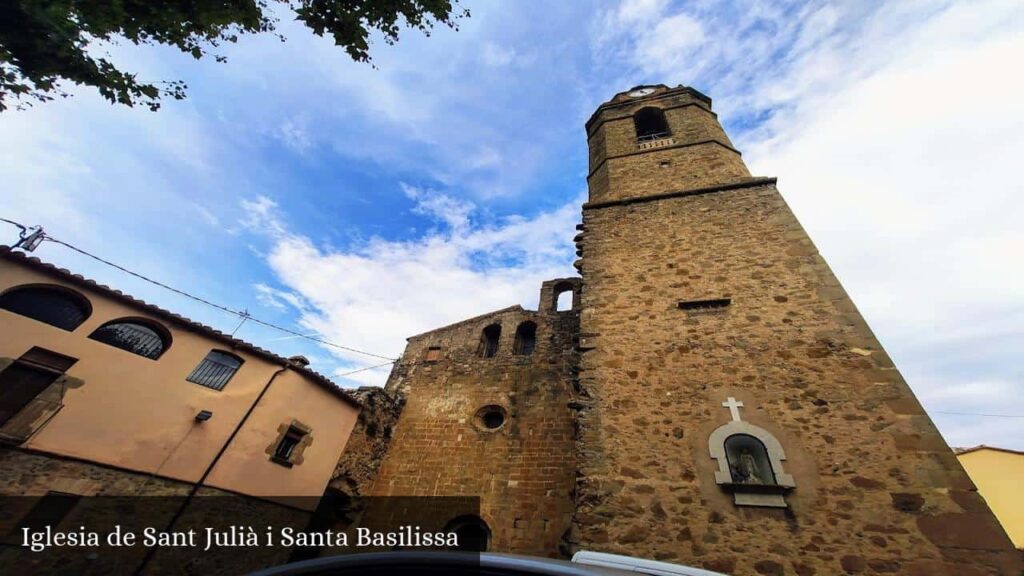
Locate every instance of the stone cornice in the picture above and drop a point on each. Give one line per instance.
(751, 183)
(661, 148)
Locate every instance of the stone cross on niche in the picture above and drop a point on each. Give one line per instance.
(734, 408)
(749, 461)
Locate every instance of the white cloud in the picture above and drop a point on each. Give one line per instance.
(373, 296)
(294, 133)
(669, 45)
(896, 132)
(894, 129)
(906, 176)
(494, 55)
(442, 207)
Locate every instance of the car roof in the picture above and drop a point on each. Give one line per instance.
(413, 561)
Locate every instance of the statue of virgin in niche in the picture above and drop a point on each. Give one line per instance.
(748, 468)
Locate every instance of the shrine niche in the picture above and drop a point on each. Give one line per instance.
(749, 462)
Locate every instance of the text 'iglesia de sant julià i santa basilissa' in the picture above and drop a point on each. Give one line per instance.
(711, 396)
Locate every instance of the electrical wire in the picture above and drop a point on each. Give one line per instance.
(975, 414)
(365, 368)
(244, 315)
(240, 313)
(15, 223)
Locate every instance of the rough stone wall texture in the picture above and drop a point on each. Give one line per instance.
(877, 488)
(357, 468)
(698, 153)
(24, 473)
(133, 501)
(523, 472)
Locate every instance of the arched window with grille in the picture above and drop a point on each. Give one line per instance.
(135, 335)
(650, 124)
(526, 339)
(54, 305)
(215, 370)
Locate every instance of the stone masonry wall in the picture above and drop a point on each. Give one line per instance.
(359, 463)
(110, 497)
(524, 470)
(877, 489)
(698, 153)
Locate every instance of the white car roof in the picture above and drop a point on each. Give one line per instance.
(638, 565)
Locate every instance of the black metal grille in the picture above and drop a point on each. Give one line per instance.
(52, 306)
(650, 124)
(133, 337)
(653, 136)
(215, 370)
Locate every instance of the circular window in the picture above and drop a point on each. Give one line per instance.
(490, 418)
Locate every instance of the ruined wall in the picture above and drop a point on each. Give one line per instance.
(877, 488)
(359, 463)
(522, 470)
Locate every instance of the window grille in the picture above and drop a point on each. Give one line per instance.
(215, 370)
(132, 337)
(53, 306)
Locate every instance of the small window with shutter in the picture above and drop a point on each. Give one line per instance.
(433, 355)
(215, 370)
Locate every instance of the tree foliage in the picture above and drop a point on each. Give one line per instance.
(45, 42)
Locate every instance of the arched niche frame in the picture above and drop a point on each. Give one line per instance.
(766, 494)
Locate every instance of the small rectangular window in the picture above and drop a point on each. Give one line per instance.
(433, 354)
(20, 383)
(705, 305)
(48, 359)
(285, 450)
(215, 370)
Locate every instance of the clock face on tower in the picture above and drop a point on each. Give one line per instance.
(641, 92)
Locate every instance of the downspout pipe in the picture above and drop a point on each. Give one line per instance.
(213, 463)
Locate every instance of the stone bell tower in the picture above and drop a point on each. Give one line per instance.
(736, 411)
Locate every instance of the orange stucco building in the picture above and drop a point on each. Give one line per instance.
(102, 394)
(997, 473)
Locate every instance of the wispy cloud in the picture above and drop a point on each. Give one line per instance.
(444, 182)
(895, 132)
(382, 291)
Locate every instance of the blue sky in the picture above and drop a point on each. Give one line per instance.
(368, 204)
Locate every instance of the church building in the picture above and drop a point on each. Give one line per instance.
(703, 393)
(706, 394)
